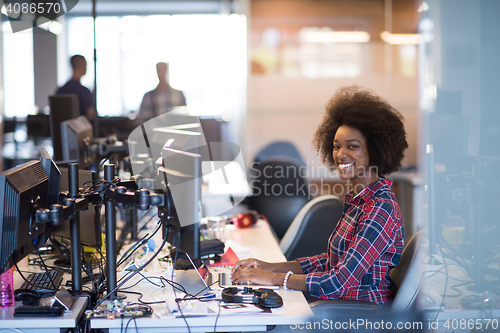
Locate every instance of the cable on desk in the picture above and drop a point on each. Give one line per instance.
(152, 277)
(217, 318)
(110, 292)
(144, 240)
(445, 287)
(139, 299)
(469, 268)
(178, 238)
(135, 324)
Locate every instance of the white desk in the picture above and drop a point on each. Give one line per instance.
(43, 324)
(261, 244)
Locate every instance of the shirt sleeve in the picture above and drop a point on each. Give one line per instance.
(313, 264)
(374, 236)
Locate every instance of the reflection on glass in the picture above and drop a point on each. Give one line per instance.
(462, 164)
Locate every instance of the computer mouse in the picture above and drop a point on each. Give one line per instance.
(27, 296)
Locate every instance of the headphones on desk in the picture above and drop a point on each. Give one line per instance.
(266, 298)
(247, 219)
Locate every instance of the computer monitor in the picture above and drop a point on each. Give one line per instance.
(38, 126)
(54, 179)
(90, 222)
(62, 108)
(24, 190)
(77, 137)
(187, 140)
(182, 172)
(146, 142)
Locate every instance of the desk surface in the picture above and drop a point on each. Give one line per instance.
(43, 324)
(256, 241)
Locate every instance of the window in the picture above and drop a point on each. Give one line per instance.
(207, 56)
(19, 82)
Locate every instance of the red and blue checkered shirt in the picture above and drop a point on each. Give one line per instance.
(365, 245)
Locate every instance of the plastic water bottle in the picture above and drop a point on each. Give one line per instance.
(7, 288)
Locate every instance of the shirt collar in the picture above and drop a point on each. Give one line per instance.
(368, 192)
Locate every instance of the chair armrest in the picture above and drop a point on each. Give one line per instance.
(327, 307)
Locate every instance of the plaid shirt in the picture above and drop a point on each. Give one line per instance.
(366, 243)
(157, 102)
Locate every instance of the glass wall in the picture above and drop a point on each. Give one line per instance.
(459, 92)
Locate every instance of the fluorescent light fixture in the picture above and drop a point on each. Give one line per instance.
(53, 26)
(328, 36)
(43, 23)
(400, 39)
(423, 7)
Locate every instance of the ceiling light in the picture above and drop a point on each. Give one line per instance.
(400, 39)
(325, 36)
(423, 7)
(55, 27)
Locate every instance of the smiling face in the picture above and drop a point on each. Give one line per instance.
(350, 154)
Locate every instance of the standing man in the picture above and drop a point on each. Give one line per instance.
(73, 86)
(161, 99)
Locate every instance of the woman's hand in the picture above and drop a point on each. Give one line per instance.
(255, 275)
(254, 263)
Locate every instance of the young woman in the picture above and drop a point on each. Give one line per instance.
(363, 137)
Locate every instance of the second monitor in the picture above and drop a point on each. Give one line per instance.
(90, 222)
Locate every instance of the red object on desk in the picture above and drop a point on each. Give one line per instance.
(228, 259)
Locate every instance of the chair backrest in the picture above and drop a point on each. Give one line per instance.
(279, 149)
(310, 230)
(280, 190)
(408, 275)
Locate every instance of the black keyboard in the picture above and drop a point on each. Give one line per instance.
(44, 283)
(38, 311)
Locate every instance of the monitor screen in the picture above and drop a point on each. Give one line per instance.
(90, 223)
(182, 172)
(24, 190)
(54, 179)
(77, 135)
(180, 132)
(62, 108)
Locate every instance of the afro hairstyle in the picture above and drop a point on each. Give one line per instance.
(381, 125)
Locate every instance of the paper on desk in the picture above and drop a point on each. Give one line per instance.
(232, 308)
(188, 308)
(228, 259)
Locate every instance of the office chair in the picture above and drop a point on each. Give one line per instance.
(310, 230)
(407, 277)
(279, 149)
(280, 191)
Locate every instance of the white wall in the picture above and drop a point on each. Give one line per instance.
(291, 109)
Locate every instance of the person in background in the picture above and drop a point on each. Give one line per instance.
(161, 99)
(363, 137)
(73, 86)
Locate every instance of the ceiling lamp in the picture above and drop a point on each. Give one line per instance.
(400, 39)
(328, 36)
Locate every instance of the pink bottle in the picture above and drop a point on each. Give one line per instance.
(7, 288)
